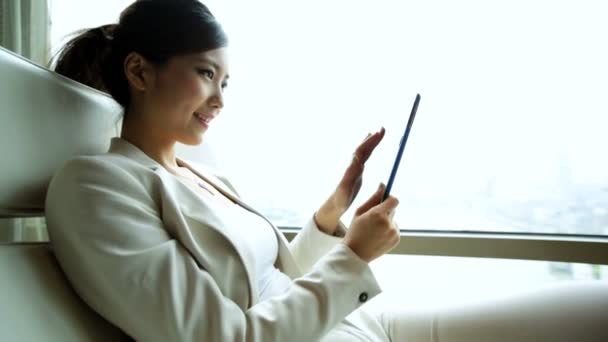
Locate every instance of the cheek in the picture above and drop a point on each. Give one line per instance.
(188, 93)
(185, 90)
(194, 88)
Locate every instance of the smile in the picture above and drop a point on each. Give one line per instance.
(204, 120)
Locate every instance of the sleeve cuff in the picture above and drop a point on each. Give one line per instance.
(340, 231)
(311, 243)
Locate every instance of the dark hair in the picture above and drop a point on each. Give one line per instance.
(156, 29)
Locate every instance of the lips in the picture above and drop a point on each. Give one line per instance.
(205, 119)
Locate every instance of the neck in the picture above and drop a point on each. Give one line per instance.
(154, 145)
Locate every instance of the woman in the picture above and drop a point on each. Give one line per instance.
(163, 248)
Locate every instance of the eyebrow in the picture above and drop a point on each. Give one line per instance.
(213, 64)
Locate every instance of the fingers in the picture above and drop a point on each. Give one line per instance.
(389, 205)
(372, 201)
(368, 145)
(356, 159)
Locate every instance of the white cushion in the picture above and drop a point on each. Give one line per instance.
(38, 304)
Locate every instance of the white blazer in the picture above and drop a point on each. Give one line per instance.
(152, 257)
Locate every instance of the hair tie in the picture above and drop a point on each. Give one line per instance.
(108, 31)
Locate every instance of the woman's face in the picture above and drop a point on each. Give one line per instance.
(186, 94)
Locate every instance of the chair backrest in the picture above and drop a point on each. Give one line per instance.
(45, 119)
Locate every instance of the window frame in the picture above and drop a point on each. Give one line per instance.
(592, 249)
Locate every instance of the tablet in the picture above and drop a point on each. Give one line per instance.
(402, 143)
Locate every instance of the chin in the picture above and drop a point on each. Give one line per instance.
(192, 141)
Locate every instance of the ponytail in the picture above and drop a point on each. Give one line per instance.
(84, 57)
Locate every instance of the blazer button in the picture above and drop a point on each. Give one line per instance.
(363, 297)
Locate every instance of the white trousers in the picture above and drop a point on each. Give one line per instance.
(563, 313)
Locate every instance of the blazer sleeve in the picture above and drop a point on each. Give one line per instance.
(108, 236)
(311, 244)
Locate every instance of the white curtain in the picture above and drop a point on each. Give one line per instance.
(25, 28)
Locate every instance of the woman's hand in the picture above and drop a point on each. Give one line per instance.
(373, 232)
(328, 216)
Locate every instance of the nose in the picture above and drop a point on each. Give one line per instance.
(217, 98)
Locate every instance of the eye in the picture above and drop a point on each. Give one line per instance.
(206, 72)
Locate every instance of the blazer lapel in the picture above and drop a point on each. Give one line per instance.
(192, 221)
(225, 254)
(285, 261)
(208, 248)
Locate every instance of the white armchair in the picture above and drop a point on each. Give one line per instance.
(44, 120)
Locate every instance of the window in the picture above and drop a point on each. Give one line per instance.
(509, 134)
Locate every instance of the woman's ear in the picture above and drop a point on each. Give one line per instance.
(138, 71)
